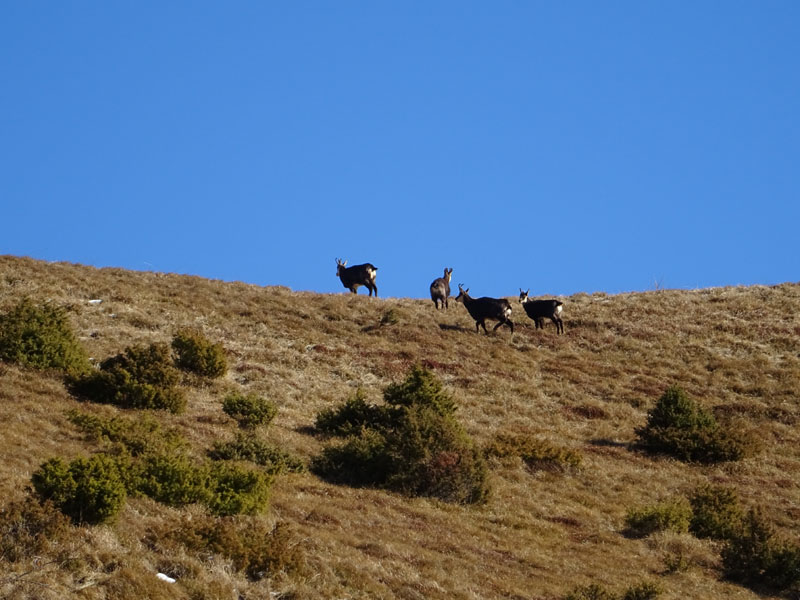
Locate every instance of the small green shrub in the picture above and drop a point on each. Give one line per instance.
(141, 377)
(351, 416)
(29, 528)
(41, 337)
(247, 446)
(422, 389)
(250, 410)
(413, 444)
(197, 354)
(676, 409)
(716, 512)
(673, 515)
(88, 490)
(172, 479)
(233, 489)
(536, 454)
(680, 427)
(755, 556)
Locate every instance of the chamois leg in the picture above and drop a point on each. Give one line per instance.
(506, 322)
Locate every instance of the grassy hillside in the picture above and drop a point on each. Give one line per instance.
(542, 532)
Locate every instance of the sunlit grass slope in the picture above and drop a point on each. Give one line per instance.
(542, 532)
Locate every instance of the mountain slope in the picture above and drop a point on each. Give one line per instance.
(542, 532)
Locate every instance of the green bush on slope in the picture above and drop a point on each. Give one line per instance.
(197, 354)
(250, 410)
(756, 556)
(680, 427)
(413, 444)
(41, 337)
(88, 490)
(140, 377)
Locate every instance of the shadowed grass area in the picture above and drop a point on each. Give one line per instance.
(543, 531)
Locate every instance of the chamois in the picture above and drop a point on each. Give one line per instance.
(440, 289)
(539, 310)
(480, 309)
(357, 275)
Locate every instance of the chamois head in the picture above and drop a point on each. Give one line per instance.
(462, 293)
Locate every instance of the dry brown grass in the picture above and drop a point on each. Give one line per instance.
(541, 533)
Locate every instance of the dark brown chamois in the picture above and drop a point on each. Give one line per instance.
(539, 310)
(480, 309)
(357, 275)
(440, 288)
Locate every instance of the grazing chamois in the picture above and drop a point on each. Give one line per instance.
(440, 289)
(357, 275)
(480, 309)
(539, 310)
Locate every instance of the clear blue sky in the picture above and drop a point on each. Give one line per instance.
(562, 146)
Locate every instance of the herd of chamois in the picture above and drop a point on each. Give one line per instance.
(480, 309)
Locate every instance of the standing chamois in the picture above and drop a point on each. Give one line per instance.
(539, 310)
(480, 309)
(440, 289)
(357, 275)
